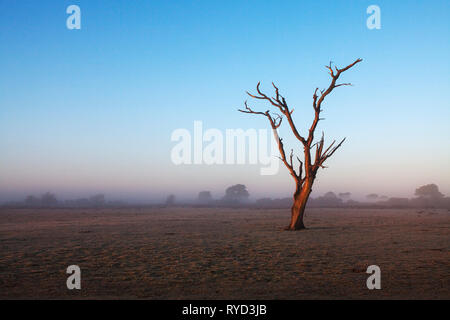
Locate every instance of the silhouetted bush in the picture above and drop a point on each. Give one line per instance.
(170, 201)
(97, 200)
(204, 197)
(329, 199)
(236, 194)
(372, 196)
(429, 191)
(48, 199)
(345, 195)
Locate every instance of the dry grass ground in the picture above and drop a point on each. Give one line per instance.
(186, 253)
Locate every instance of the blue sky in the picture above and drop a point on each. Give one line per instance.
(92, 110)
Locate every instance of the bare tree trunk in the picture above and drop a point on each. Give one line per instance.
(301, 196)
(305, 181)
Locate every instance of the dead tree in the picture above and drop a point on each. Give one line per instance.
(307, 170)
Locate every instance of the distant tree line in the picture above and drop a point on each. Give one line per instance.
(49, 199)
(427, 196)
(236, 195)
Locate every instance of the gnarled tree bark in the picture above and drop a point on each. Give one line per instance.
(307, 170)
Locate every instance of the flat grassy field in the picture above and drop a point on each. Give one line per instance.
(210, 253)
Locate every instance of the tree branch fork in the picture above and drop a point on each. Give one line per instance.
(308, 168)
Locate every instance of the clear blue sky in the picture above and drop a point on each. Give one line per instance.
(92, 110)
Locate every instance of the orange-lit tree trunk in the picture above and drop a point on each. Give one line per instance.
(300, 199)
(305, 175)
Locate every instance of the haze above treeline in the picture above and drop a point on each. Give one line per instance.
(239, 196)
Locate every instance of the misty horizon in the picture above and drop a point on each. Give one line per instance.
(143, 198)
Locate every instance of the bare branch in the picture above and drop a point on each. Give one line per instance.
(331, 73)
(275, 124)
(286, 163)
(349, 66)
(315, 96)
(319, 147)
(317, 101)
(249, 110)
(329, 147)
(343, 84)
(329, 152)
(300, 169)
(280, 102)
